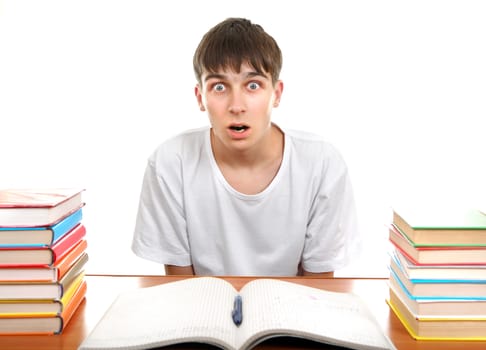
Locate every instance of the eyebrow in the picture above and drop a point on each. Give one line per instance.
(223, 77)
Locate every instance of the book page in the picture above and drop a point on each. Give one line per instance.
(196, 309)
(273, 307)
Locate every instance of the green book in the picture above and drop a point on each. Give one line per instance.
(435, 226)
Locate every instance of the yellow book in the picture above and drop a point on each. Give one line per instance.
(39, 308)
(41, 324)
(439, 328)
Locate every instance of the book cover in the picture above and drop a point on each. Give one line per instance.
(39, 236)
(72, 257)
(396, 265)
(39, 256)
(37, 207)
(44, 325)
(435, 226)
(446, 272)
(438, 255)
(45, 273)
(203, 310)
(438, 307)
(439, 289)
(12, 308)
(42, 290)
(438, 328)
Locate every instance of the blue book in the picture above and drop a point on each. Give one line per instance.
(38, 236)
(459, 290)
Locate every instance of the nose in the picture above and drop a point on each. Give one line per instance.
(237, 102)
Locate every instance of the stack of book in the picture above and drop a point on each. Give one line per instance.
(43, 252)
(438, 273)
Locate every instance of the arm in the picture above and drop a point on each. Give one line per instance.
(332, 236)
(179, 270)
(160, 229)
(302, 272)
(329, 274)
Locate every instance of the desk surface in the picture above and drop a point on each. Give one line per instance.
(103, 289)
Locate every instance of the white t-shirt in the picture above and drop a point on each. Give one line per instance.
(189, 214)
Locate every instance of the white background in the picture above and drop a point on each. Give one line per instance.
(89, 88)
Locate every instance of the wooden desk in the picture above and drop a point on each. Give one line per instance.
(103, 289)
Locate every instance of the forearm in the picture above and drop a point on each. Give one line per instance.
(329, 274)
(179, 270)
(302, 272)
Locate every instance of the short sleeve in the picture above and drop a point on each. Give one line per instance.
(160, 230)
(332, 236)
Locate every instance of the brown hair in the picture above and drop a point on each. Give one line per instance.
(236, 41)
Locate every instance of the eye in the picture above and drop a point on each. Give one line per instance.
(253, 85)
(219, 87)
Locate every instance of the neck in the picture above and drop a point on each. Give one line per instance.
(269, 150)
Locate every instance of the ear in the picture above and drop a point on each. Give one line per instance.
(278, 90)
(197, 92)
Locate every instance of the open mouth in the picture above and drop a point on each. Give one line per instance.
(239, 128)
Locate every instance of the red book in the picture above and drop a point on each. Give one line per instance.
(437, 255)
(44, 273)
(41, 256)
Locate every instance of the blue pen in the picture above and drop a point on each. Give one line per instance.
(237, 313)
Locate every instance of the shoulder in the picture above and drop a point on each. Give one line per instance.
(179, 148)
(188, 138)
(182, 143)
(312, 147)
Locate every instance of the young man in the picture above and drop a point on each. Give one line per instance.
(243, 196)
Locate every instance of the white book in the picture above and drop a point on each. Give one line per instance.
(35, 207)
(200, 310)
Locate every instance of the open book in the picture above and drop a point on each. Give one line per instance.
(199, 310)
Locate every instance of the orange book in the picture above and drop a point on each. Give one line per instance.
(39, 308)
(42, 290)
(40, 256)
(44, 273)
(45, 324)
(70, 258)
